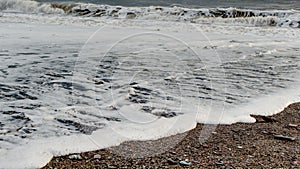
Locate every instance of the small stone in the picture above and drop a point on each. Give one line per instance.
(281, 137)
(75, 157)
(173, 152)
(219, 163)
(214, 132)
(97, 156)
(205, 145)
(184, 163)
(239, 147)
(293, 125)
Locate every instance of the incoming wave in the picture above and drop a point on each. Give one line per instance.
(29, 6)
(214, 15)
(289, 18)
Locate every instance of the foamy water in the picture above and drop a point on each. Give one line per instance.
(83, 77)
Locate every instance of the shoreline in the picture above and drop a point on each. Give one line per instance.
(239, 145)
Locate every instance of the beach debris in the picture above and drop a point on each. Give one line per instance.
(75, 157)
(281, 137)
(219, 163)
(97, 156)
(185, 163)
(239, 147)
(171, 161)
(293, 125)
(263, 119)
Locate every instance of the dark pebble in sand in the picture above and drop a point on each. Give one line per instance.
(281, 137)
(184, 163)
(219, 163)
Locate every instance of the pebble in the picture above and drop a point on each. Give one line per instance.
(184, 163)
(293, 125)
(281, 137)
(205, 145)
(173, 152)
(97, 156)
(239, 147)
(219, 163)
(75, 157)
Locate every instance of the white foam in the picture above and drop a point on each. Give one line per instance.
(265, 105)
(38, 153)
(28, 6)
(234, 16)
(32, 153)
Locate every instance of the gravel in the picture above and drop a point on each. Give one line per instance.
(240, 145)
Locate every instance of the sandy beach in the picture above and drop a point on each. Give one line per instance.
(240, 145)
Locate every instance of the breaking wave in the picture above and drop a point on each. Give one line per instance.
(288, 18)
(29, 6)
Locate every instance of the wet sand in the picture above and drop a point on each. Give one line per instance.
(239, 145)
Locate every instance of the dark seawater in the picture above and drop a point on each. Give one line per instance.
(252, 4)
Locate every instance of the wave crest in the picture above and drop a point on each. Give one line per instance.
(249, 17)
(29, 6)
(214, 15)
